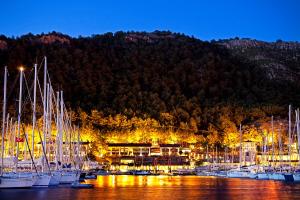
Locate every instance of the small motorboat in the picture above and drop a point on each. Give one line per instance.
(183, 172)
(277, 176)
(90, 176)
(82, 177)
(238, 173)
(289, 177)
(296, 176)
(141, 173)
(221, 174)
(253, 175)
(121, 173)
(68, 177)
(81, 185)
(102, 172)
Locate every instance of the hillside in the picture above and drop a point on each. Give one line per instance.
(280, 60)
(159, 74)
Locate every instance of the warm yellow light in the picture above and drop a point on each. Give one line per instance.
(21, 68)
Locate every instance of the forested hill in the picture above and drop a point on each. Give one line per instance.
(147, 74)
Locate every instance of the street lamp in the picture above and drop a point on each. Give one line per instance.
(21, 68)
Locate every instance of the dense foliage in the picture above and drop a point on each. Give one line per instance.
(178, 81)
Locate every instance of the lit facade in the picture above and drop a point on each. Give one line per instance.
(145, 156)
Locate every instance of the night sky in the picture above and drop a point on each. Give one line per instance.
(212, 19)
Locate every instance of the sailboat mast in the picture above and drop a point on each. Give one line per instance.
(3, 118)
(11, 147)
(47, 121)
(7, 136)
(44, 106)
(290, 131)
(298, 132)
(207, 154)
(77, 146)
(265, 148)
(280, 145)
(58, 130)
(50, 121)
(240, 145)
(34, 111)
(272, 126)
(61, 127)
(19, 114)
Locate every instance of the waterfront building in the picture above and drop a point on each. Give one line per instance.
(249, 152)
(147, 156)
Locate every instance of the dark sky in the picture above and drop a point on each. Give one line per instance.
(205, 19)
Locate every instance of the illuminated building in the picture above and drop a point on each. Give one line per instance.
(158, 157)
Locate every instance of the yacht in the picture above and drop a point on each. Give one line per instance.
(42, 180)
(141, 173)
(55, 178)
(9, 180)
(296, 176)
(68, 177)
(278, 176)
(239, 173)
(262, 176)
(16, 182)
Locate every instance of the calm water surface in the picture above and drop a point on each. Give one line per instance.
(162, 188)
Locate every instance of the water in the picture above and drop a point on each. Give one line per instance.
(162, 188)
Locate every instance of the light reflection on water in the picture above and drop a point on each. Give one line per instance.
(138, 181)
(163, 188)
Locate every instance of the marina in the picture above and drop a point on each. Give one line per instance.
(150, 100)
(60, 155)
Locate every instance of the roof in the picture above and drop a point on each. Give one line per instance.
(140, 145)
(129, 144)
(169, 145)
(248, 141)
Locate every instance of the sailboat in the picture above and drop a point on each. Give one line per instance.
(59, 175)
(240, 172)
(274, 175)
(39, 179)
(41, 173)
(262, 174)
(296, 174)
(43, 179)
(8, 180)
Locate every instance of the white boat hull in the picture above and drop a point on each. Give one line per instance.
(42, 180)
(276, 176)
(296, 177)
(253, 175)
(69, 177)
(262, 176)
(102, 173)
(237, 174)
(141, 173)
(55, 178)
(12, 182)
